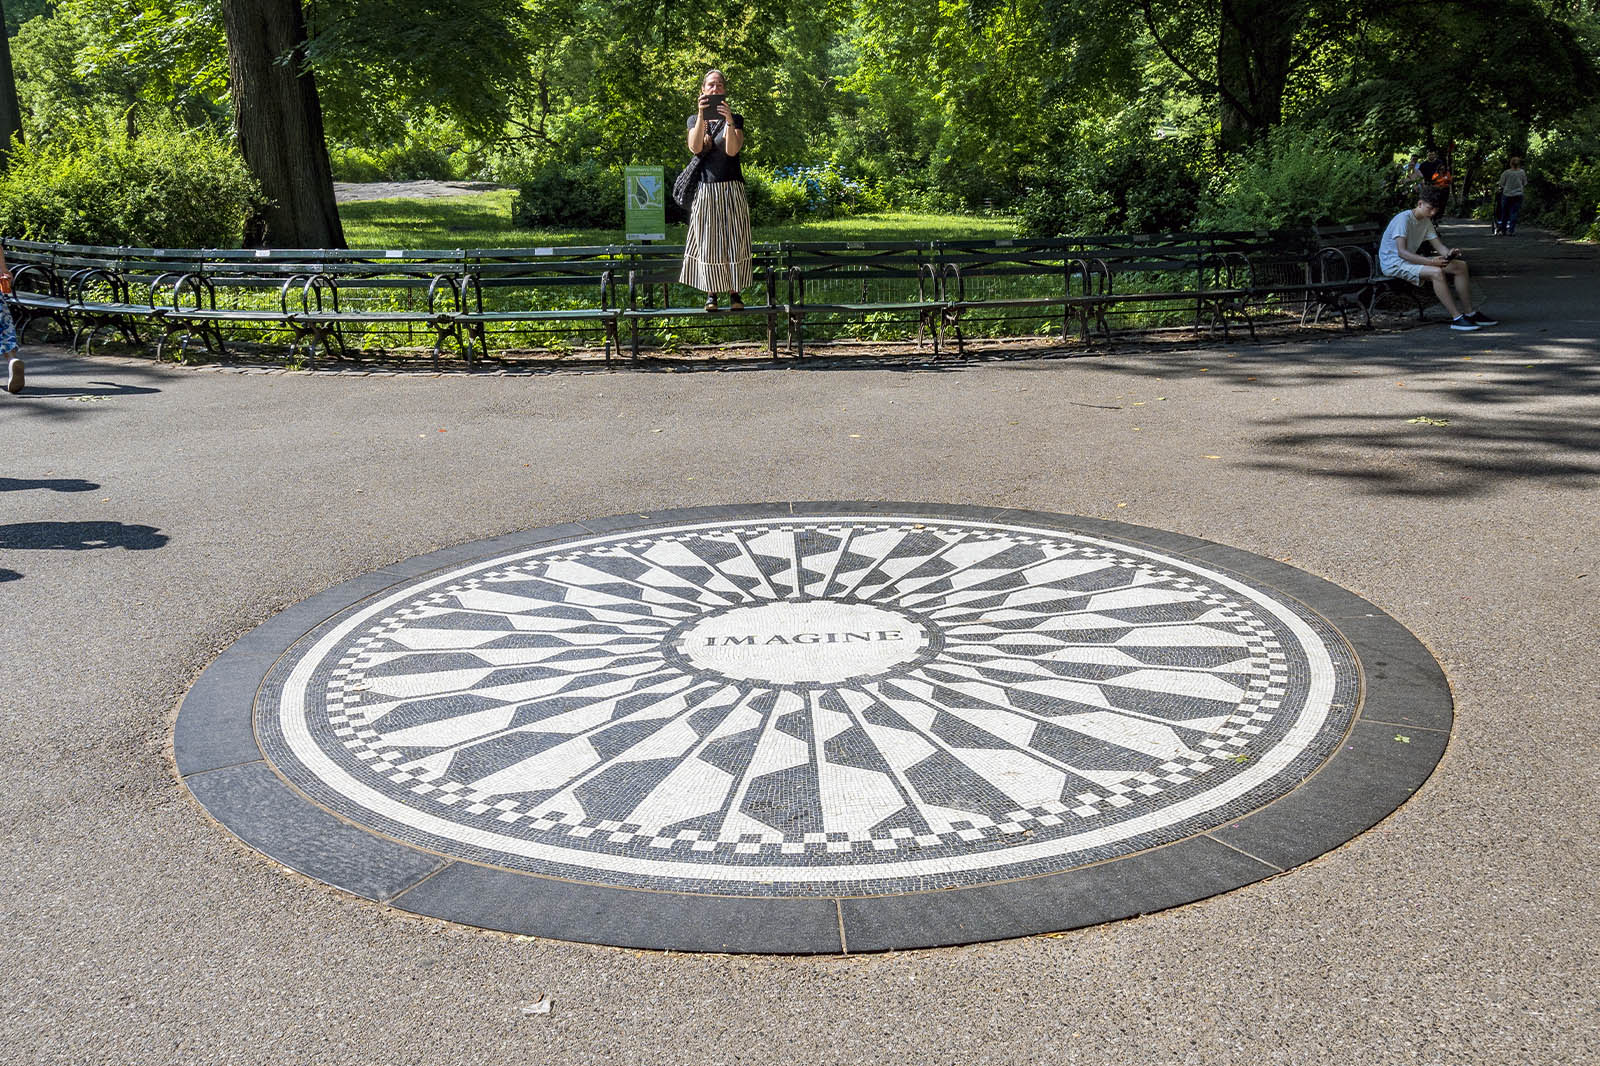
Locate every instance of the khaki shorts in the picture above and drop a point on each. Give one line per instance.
(1411, 272)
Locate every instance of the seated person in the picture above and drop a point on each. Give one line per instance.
(1397, 258)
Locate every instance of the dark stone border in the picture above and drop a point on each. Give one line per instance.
(1398, 736)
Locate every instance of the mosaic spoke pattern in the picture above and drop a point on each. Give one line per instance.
(811, 707)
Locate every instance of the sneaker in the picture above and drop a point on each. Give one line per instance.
(1463, 323)
(1481, 319)
(711, 303)
(14, 380)
(735, 303)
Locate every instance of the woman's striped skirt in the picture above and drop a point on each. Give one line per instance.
(716, 257)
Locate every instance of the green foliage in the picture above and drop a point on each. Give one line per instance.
(1119, 178)
(1296, 178)
(942, 104)
(95, 60)
(168, 187)
(1564, 176)
(1567, 200)
(20, 11)
(438, 151)
(798, 193)
(580, 195)
(958, 99)
(383, 65)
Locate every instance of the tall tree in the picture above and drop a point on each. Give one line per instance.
(279, 122)
(10, 113)
(1239, 53)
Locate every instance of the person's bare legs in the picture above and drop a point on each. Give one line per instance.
(1441, 277)
(1441, 289)
(1457, 268)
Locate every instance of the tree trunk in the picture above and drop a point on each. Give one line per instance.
(1255, 41)
(10, 112)
(279, 122)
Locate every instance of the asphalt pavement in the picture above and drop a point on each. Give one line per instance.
(151, 515)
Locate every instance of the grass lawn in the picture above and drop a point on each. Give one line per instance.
(483, 220)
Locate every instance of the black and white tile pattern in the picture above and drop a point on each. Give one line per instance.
(826, 705)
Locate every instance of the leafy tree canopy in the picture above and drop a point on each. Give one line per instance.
(955, 101)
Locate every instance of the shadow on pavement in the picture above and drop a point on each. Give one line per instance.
(79, 536)
(1471, 427)
(103, 389)
(55, 484)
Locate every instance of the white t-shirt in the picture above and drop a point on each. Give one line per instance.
(1512, 182)
(1415, 230)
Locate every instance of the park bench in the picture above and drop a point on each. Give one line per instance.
(330, 302)
(37, 291)
(1203, 277)
(315, 295)
(88, 288)
(377, 293)
(653, 269)
(1018, 278)
(516, 288)
(1345, 273)
(894, 279)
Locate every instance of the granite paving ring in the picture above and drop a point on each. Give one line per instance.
(816, 727)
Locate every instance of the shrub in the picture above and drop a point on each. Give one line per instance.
(773, 200)
(758, 194)
(1566, 200)
(1130, 182)
(790, 201)
(823, 190)
(1295, 178)
(579, 195)
(416, 159)
(355, 164)
(166, 187)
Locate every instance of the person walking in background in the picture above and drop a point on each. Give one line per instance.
(10, 344)
(716, 256)
(1432, 168)
(1398, 257)
(1513, 183)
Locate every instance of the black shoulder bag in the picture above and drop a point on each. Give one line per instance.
(687, 184)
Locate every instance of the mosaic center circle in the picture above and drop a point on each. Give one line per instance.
(817, 706)
(789, 643)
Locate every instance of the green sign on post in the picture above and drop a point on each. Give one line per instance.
(646, 199)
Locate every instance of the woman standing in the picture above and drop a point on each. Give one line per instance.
(716, 257)
(9, 343)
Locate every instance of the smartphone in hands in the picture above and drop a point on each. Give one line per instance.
(711, 107)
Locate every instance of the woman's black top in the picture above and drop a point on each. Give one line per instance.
(715, 163)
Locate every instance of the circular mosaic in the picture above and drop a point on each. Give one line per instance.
(817, 707)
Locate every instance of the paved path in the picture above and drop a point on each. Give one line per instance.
(347, 192)
(148, 516)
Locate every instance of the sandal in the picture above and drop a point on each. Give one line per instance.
(711, 303)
